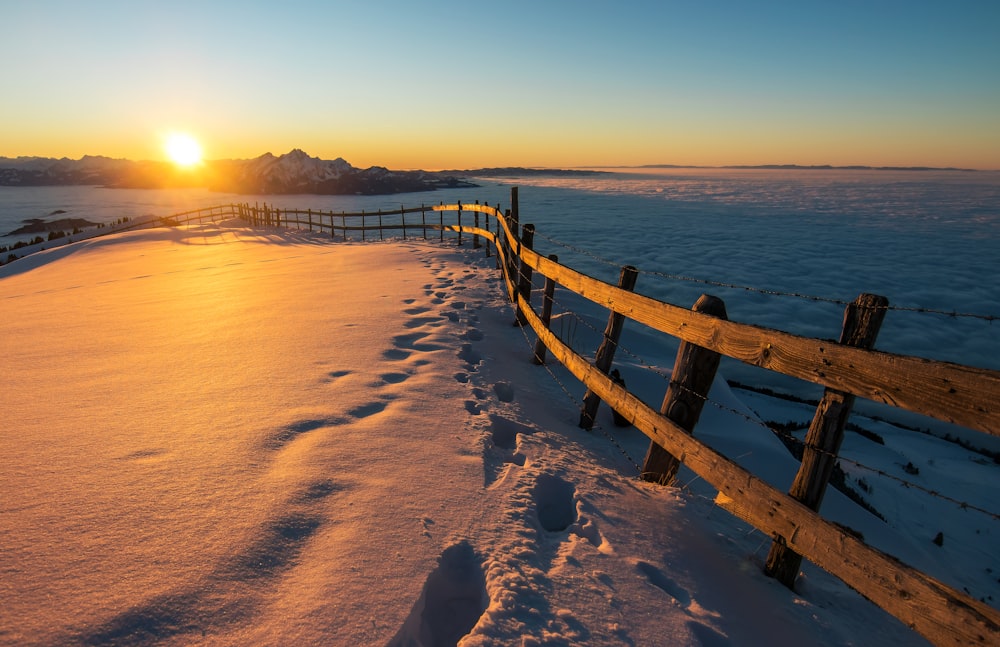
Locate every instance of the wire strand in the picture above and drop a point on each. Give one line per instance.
(778, 293)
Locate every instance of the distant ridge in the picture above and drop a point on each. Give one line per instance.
(293, 172)
(521, 171)
(810, 167)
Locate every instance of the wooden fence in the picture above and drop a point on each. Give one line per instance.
(959, 394)
(963, 395)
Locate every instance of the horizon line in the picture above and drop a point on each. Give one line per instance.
(765, 166)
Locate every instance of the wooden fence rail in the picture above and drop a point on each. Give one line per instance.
(963, 395)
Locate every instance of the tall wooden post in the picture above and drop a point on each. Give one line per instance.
(499, 237)
(862, 320)
(487, 227)
(694, 371)
(606, 352)
(402, 219)
(524, 272)
(547, 301)
(475, 223)
(515, 214)
(510, 263)
(459, 223)
(514, 224)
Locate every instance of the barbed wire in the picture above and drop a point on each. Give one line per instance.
(579, 403)
(778, 293)
(965, 505)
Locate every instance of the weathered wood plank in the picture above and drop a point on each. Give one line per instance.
(962, 395)
(939, 613)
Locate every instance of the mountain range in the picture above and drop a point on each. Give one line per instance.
(293, 172)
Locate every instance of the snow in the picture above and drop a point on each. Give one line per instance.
(219, 435)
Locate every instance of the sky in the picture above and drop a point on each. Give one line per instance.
(544, 83)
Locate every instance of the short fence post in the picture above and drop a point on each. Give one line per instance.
(459, 223)
(363, 225)
(862, 320)
(380, 237)
(423, 220)
(310, 211)
(402, 219)
(694, 372)
(332, 232)
(547, 300)
(441, 221)
(606, 353)
(526, 241)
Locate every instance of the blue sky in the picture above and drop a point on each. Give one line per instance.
(448, 84)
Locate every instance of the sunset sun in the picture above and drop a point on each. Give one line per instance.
(183, 149)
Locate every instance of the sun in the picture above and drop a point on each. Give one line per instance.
(183, 149)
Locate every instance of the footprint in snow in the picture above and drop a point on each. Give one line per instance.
(367, 410)
(554, 503)
(504, 391)
(453, 600)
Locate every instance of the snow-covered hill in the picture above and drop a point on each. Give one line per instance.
(217, 435)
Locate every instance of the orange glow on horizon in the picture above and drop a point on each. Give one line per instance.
(437, 149)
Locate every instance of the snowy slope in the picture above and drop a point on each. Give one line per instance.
(221, 436)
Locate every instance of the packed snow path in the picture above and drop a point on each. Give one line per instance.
(220, 436)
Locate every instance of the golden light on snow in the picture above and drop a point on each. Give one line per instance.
(183, 149)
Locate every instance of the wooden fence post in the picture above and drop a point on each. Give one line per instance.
(441, 222)
(499, 237)
(606, 352)
(402, 219)
(694, 371)
(509, 248)
(423, 220)
(459, 223)
(475, 237)
(524, 272)
(862, 320)
(487, 227)
(380, 237)
(515, 214)
(547, 300)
